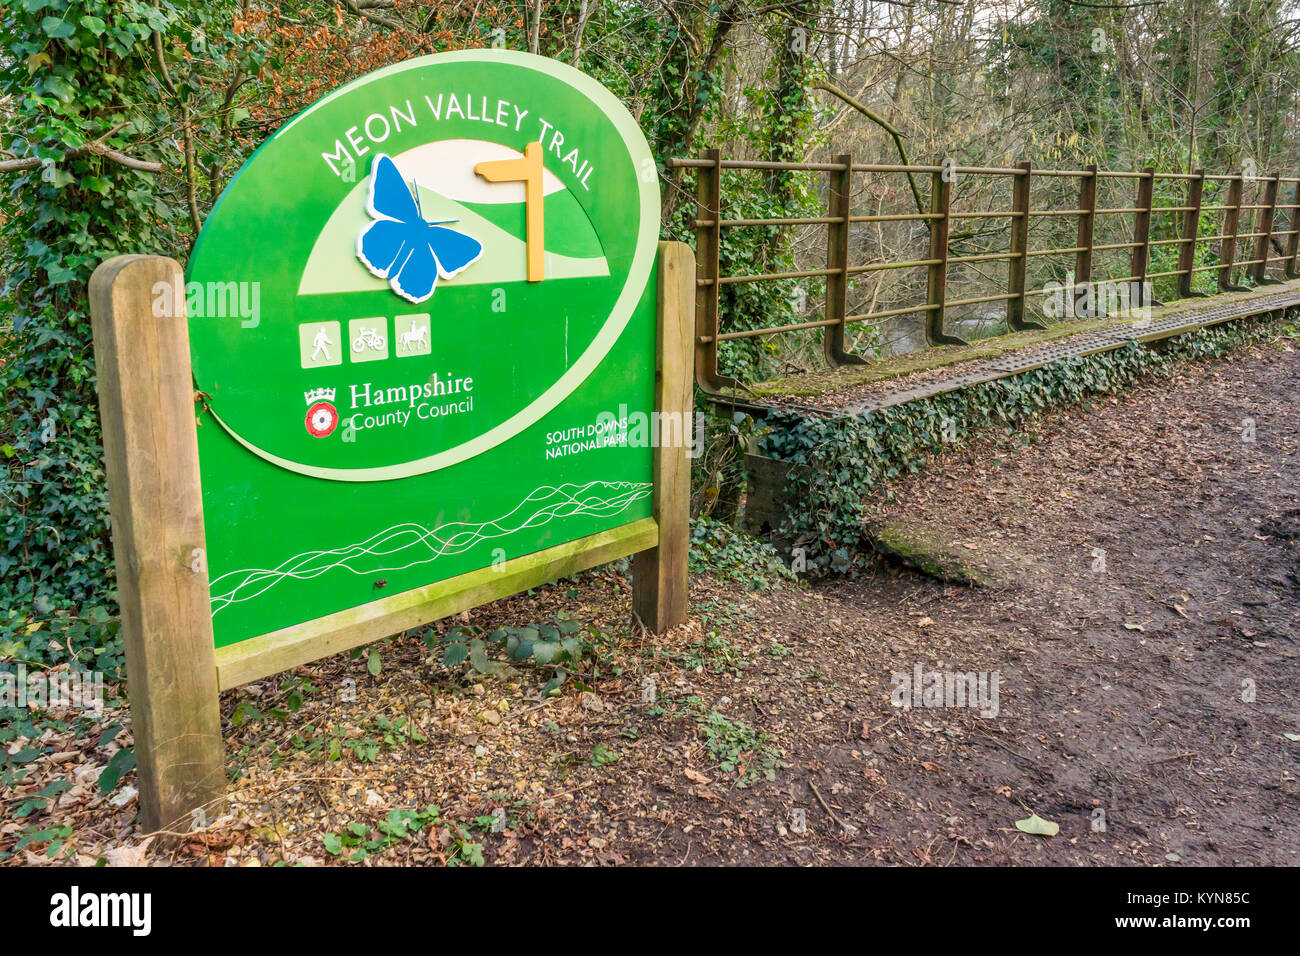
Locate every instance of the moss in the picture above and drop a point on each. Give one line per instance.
(932, 554)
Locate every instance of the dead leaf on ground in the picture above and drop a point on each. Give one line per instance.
(1038, 826)
(128, 855)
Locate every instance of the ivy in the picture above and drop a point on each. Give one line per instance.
(86, 84)
(836, 462)
(735, 556)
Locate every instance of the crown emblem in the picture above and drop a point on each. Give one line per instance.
(319, 395)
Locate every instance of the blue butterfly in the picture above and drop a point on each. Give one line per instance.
(400, 246)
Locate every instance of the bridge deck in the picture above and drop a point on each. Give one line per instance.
(859, 389)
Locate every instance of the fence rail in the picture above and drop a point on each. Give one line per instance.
(839, 221)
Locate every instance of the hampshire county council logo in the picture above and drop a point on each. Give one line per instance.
(401, 246)
(322, 416)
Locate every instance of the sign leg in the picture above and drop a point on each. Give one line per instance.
(146, 402)
(659, 594)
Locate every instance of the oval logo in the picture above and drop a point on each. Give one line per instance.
(421, 265)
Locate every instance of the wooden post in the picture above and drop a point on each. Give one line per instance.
(1142, 234)
(708, 246)
(1293, 243)
(1191, 229)
(146, 406)
(1265, 244)
(659, 585)
(937, 272)
(1018, 265)
(1086, 240)
(839, 203)
(1231, 226)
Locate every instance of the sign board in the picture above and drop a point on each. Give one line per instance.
(453, 264)
(431, 334)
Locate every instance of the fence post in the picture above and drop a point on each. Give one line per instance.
(937, 272)
(151, 457)
(1018, 265)
(839, 202)
(1231, 227)
(1265, 245)
(1142, 235)
(1293, 243)
(708, 247)
(1086, 239)
(659, 581)
(1191, 229)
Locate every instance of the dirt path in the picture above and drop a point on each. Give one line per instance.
(1123, 695)
(1155, 586)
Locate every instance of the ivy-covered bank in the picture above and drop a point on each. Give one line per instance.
(834, 463)
(110, 106)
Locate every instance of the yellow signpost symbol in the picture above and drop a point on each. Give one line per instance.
(528, 171)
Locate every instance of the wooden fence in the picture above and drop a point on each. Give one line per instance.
(709, 222)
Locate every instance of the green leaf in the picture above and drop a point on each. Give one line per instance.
(455, 654)
(94, 25)
(59, 87)
(57, 28)
(118, 765)
(373, 662)
(1038, 826)
(333, 843)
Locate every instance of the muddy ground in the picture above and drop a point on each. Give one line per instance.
(1142, 627)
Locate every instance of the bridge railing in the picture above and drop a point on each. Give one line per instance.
(1135, 227)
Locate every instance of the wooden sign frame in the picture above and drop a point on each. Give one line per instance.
(174, 671)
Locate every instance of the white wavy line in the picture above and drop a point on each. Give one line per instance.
(381, 544)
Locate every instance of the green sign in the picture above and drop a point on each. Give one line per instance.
(419, 317)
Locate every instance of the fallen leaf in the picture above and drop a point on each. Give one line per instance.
(128, 855)
(1038, 826)
(1134, 627)
(697, 777)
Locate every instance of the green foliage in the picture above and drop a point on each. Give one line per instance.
(83, 77)
(838, 461)
(87, 641)
(739, 749)
(718, 471)
(601, 755)
(715, 652)
(53, 836)
(561, 644)
(756, 250)
(357, 841)
(735, 556)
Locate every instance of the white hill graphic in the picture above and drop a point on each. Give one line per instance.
(448, 187)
